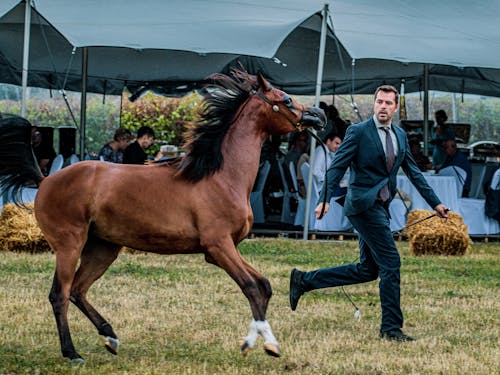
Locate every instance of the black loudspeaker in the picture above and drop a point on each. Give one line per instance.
(67, 141)
(47, 135)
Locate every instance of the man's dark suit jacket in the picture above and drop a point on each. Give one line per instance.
(363, 152)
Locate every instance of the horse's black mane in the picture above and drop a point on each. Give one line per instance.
(224, 96)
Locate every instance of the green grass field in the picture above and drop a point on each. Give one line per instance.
(180, 315)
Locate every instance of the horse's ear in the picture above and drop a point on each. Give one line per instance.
(266, 86)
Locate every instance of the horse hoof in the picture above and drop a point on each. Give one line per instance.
(245, 347)
(272, 350)
(77, 362)
(111, 345)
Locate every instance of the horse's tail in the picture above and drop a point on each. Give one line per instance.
(18, 166)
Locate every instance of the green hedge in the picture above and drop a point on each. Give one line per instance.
(167, 116)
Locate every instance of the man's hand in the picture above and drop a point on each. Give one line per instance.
(319, 208)
(442, 211)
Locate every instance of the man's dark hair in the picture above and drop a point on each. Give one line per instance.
(331, 135)
(143, 130)
(388, 88)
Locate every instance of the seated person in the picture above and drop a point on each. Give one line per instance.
(456, 158)
(441, 133)
(113, 151)
(135, 152)
(321, 165)
(43, 151)
(422, 161)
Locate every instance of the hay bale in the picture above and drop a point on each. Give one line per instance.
(19, 230)
(437, 236)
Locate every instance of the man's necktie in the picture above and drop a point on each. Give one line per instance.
(389, 148)
(389, 157)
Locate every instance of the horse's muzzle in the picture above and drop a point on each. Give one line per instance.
(314, 117)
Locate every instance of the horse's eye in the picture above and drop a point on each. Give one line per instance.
(288, 101)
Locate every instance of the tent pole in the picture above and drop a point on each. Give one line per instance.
(426, 108)
(83, 102)
(319, 79)
(26, 53)
(454, 106)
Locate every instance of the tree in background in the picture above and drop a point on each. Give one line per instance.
(168, 117)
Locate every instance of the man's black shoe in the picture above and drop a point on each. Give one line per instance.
(296, 290)
(395, 335)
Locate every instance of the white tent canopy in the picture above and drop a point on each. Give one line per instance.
(175, 44)
(254, 27)
(458, 33)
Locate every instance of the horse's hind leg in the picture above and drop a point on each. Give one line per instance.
(254, 286)
(59, 298)
(96, 257)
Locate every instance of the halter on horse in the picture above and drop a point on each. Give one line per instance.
(199, 204)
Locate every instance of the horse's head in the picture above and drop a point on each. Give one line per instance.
(285, 114)
(240, 98)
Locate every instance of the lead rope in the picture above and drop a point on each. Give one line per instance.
(323, 146)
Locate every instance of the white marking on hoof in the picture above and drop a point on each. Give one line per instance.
(112, 344)
(77, 362)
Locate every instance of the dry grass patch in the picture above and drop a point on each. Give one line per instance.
(179, 315)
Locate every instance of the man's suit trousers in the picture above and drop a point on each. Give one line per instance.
(379, 257)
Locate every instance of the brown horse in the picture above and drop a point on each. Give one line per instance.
(198, 204)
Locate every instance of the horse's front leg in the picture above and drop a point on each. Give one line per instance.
(255, 287)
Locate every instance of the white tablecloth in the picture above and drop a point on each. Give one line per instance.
(444, 186)
(472, 211)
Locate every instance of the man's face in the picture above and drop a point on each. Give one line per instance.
(385, 106)
(333, 144)
(145, 141)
